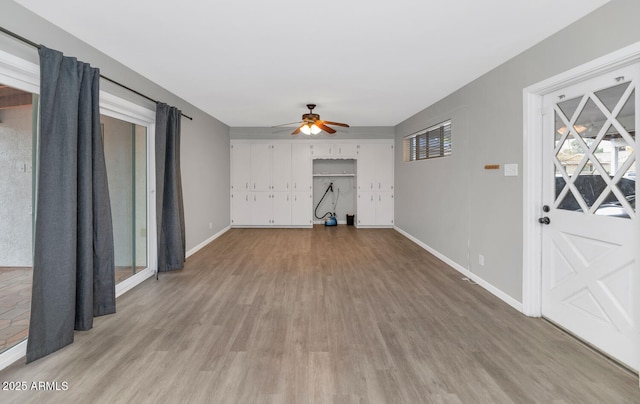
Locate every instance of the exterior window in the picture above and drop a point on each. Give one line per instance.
(428, 143)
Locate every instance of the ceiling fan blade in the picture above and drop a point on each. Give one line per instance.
(287, 124)
(321, 125)
(335, 123)
(295, 132)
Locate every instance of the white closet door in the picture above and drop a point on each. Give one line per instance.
(260, 167)
(240, 166)
(281, 167)
(301, 168)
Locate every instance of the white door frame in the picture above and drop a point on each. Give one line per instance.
(120, 108)
(23, 75)
(532, 159)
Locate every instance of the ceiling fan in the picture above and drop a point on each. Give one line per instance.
(311, 124)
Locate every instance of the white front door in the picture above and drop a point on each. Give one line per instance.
(590, 236)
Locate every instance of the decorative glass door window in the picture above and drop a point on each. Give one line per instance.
(594, 159)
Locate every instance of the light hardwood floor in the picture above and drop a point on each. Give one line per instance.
(333, 314)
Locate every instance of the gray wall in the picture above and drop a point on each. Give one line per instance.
(205, 140)
(475, 211)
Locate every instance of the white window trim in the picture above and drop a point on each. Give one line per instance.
(19, 73)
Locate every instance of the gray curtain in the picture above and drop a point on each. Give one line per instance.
(169, 205)
(73, 263)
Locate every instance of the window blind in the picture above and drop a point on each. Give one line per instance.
(428, 143)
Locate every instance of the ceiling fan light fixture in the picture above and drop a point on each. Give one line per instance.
(311, 124)
(310, 129)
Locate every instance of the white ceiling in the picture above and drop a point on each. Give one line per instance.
(364, 62)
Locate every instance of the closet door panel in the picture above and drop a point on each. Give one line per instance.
(240, 166)
(301, 208)
(261, 208)
(281, 167)
(241, 204)
(260, 167)
(281, 209)
(301, 168)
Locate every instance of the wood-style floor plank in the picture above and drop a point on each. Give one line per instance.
(322, 315)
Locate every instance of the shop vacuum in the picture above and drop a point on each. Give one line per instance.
(330, 217)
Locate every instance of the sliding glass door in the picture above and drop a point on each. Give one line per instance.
(128, 135)
(18, 118)
(125, 148)
(126, 154)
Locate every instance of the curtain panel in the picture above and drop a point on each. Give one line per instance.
(169, 204)
(73, 264)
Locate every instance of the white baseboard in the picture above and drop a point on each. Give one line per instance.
(207, 241)
(486, 285)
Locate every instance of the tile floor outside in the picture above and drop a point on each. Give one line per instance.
(15, 305)
(15, 302)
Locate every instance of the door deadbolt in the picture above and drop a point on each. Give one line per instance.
(546, 208)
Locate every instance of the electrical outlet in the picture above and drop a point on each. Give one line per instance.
(481, 260)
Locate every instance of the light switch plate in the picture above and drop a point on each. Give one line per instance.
(510, 170)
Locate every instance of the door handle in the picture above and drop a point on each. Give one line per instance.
(544, 220)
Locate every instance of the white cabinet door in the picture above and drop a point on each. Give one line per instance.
(261, 208)
(281, 209)
(320, 150)
(281, 167)
(301, 167)
(366, 215)
(335, 150)
(375, 167)
(375, 184)
(384, 209)
(366, 168)
(260, 167)
(301, 208)
(241, 203)
(375, 209)
(384, 167)
(345, 150)
(240, 166)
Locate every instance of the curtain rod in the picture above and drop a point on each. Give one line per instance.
(35, 45)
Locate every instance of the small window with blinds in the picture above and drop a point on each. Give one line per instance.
(428, 143)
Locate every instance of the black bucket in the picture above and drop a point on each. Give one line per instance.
(350, 220)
